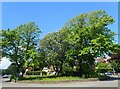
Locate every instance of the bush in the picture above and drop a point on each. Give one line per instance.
(93, 75)
(33, 72)
(67, 71)
(103, 67)
(44, 73)
(36, 73)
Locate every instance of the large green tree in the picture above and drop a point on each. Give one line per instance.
(10, 46)
(79, 42)
(55, 48)
(89, 37)
(20, 45)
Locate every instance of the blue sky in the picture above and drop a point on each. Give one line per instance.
(51, 16)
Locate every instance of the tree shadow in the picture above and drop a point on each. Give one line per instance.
(7, 81)
(38, 77)
(115, 78)
(32, 78)
(110, 78)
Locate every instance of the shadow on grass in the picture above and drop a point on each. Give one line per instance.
(115, 78)
(38, 77)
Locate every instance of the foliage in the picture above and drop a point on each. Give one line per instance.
(89, 37)
(12, 69)
(71, 50)
(114, 49)
(79, 42)
(104, 67)
(20, 45)
(115, 65)
(67, 70)
(36, 73)
(55, 48)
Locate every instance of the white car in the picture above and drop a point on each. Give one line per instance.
(6, 76)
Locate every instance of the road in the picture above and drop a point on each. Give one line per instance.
(110, 83)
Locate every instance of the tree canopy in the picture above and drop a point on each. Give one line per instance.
(71, 50)
(80, 41)
(20, 44)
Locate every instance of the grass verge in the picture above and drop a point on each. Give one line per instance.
(54, 79)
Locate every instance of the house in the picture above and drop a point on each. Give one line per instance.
(103, 59)
(49, 70)
(115, 57)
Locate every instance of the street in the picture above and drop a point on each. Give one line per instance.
(113, 82)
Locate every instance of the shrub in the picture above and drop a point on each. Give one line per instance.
(103, 67)
(67, 71)
(44, 73)
(36, 73)
(33, 72)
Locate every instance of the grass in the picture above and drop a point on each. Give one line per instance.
(50, 79)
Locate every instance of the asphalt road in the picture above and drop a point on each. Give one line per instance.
(110, 83)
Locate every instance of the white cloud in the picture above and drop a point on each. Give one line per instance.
(4, 63)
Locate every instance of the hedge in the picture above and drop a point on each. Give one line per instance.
(36, 73)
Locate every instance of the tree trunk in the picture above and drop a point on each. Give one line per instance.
(80, 67)
(23, 72)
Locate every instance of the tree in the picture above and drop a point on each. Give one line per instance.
(55, 49)
(20, 44)
(89, 38)
(10, 44)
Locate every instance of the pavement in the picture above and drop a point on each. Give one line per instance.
(113, 82)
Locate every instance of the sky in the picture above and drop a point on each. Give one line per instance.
(51, 16)
(4, 63)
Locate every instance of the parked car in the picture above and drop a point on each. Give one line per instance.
(6, 76)
(108, 73)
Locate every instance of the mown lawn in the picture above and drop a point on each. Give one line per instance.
(49, 79)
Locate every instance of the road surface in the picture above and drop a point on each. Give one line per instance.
(110, 83)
